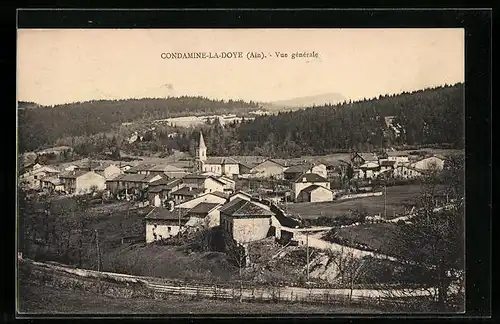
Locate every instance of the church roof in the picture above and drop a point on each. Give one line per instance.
(202, 141)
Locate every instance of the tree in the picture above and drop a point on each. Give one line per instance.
(435, 237)
(238, 253)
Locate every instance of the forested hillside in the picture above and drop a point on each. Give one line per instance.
(46, 124)
(431, 116)
(422, 118)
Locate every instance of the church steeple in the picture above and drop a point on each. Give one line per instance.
(202, 149)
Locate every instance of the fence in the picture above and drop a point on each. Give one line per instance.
(360, 195)
(150, 287)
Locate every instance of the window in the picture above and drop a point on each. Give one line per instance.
(169, 229)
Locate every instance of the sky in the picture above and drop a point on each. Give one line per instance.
(69, 65)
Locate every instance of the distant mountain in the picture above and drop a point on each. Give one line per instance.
(303, 102)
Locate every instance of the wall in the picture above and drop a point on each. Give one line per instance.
(204, 198)
(267, 169)
(406, 173)
(250, 229)
(321, 194)
(162, 228)
(230, 169)
(112, 171)
(320, 169)
(211, 185)
(429, 163)
(360, 195)
(298, 186)
(85, 182)
(216, 168)
(213, 218)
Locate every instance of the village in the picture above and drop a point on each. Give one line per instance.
(217, 191)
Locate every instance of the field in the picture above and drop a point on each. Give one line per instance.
(38, 299)
(382, 236)
(398, 198)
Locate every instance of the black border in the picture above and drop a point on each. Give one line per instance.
(477, 24)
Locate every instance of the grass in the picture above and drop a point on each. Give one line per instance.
(381, 236)
(165, 261)
(398, 198)
(38, 299)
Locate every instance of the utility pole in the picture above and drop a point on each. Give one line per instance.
(179, 214)
(307, 253)
(98, 261)
(97, 248)
(385, 201)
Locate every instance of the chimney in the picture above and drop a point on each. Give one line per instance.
(304, 179)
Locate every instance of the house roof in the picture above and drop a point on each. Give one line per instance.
(203, 208)
(365, 156)
(310, 177)
(202, 177)
(299, 168)
(218, 194)
(103, 166)
(184, 191)
(313, 187)
(73, 174)
(167, 183)
(387, 163)
(166, 214)
(133, 177)
(221, 160)
(142, 167)
(244, 208)
(370, 165)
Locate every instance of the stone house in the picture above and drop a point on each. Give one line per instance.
(245, 221)
(204, 214)
(206, 183)
(81, 182)
(428, 163)
(186, 193)
(294, 171)
(31, 179)
(268, 169)
(307, 179)
(108, 171)
(211, 197)
(159, 191)
(315, 193)
(163, 223)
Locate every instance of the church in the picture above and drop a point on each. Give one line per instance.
(226, 166)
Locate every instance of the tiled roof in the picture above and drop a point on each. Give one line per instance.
(310, 177)
(387, 163)
(299, 168)
(166, 214)
(221, 160)
(133, 177)
(203, 208)
(313, 187)
(73, 174)
(186, 192)
(167, 183)
(244, 208)
(219, 194)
